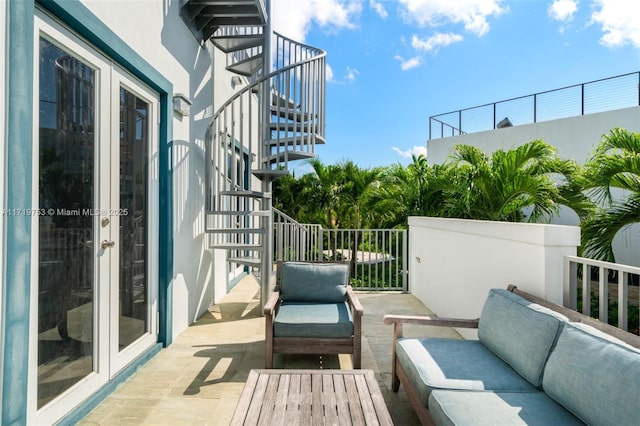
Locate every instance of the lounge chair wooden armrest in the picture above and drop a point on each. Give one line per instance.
(272, 303)
(353, 300)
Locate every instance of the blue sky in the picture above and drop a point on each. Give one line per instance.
(394, 63)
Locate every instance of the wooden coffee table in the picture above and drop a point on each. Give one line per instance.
(311, 397)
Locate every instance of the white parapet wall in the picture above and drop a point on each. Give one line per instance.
(453, 263)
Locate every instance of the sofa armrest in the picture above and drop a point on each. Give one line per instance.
(433, 321)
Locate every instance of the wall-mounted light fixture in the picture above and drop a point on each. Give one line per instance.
(181, 104)
(236, 80)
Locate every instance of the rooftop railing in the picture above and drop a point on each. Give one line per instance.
(606, 94)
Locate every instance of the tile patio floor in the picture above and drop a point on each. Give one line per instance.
(198, 379)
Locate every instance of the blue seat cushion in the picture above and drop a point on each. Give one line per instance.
(314, 282)
(497, 408)
(520, 332)
(595, 376)
(437, 363)
(299, 319)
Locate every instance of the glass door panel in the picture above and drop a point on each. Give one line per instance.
(133, 225)
(67, 88)
(134, 125)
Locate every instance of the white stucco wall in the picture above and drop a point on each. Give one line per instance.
(575, 138)
(453, 263)
(157, 33)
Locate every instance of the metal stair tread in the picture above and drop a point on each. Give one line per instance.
(247, 67)
(233, 43)
(292, 114)
(239, 212)
(235, 231)
(236, 246)
(293, 126)
(247, 193)
(297, 140)
(269, 173)
(290, 156)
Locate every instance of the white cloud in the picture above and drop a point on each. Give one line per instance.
(472, 13)
(293, 18)
(562, 10)
(619, 21)
(352, 73)
(329, 72)
(416, 150)
(379, 8)
(349, 77)
(434, 42)
(407, 64)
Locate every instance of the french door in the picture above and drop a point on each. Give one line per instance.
(95, 221)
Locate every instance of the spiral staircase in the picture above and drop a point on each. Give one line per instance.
(276, 116)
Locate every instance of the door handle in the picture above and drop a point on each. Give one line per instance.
(105, 244)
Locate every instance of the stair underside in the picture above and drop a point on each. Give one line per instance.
(204, 17)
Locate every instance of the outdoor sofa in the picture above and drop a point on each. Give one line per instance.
(534, 363)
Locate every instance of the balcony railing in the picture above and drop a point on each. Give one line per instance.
(599, 289)
(607, 94)
(378, 257)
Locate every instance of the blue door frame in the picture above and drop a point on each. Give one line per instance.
(19, 154)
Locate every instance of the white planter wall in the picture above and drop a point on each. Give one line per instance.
(453, 263)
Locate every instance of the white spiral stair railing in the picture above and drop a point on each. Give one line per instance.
(274, 119)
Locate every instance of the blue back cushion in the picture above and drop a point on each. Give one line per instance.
(595, 376)
(520, 332)
(314, 282)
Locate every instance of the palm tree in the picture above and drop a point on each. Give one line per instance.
(612, 177)
(416, 190)
(529, 182)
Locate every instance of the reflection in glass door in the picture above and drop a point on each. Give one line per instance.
(66, 229)
(134, 123)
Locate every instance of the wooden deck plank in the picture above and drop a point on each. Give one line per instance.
(317, 409)
(357, 417)
(293, 403)
(341, 396)
(245, 399)
(269, 400)
(368, 410)
(329, 400)
(253, 413)
(378, 400)
(304, 413)
(284, 389)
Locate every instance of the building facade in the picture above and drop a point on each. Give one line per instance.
(105, 108)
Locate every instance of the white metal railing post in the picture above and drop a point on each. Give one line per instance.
(622, 293)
